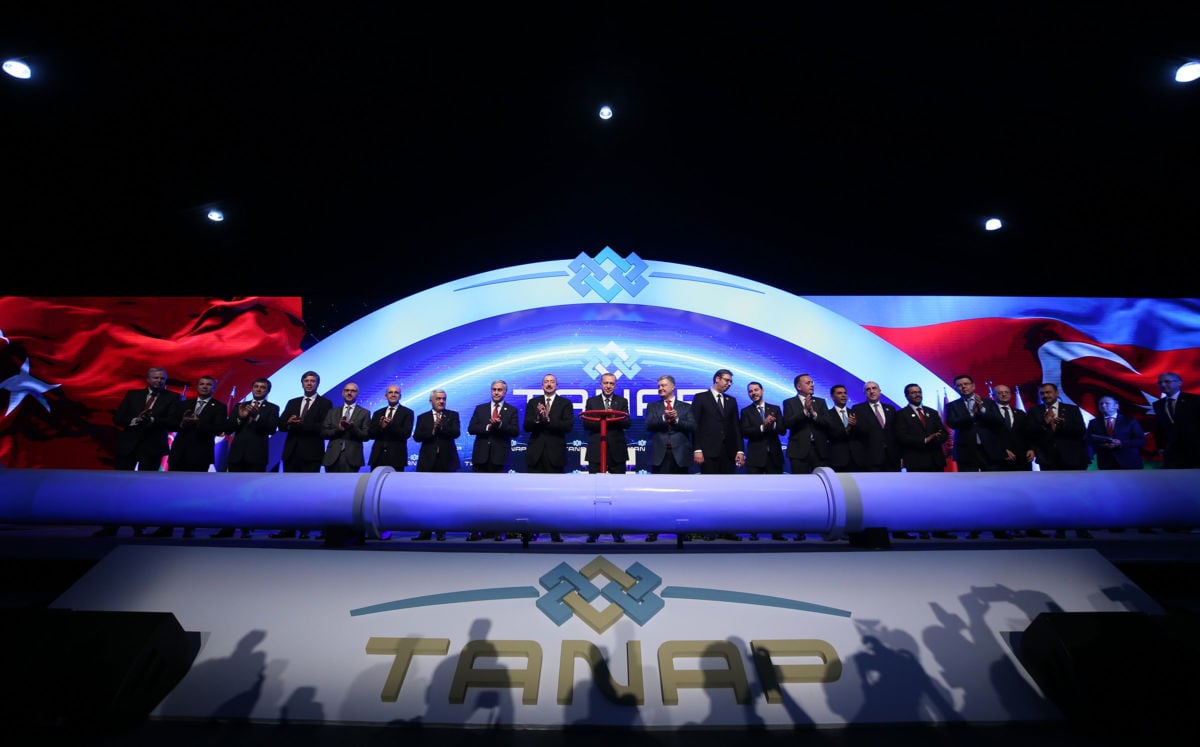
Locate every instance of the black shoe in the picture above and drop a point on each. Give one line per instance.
(223, 534)
(652, 537)
(1083, 534)
(944, 536)
(800, 537)
(105, 531)
(592, 538)
(247, 534)
(303, 536)
(778, 537)
(137, 532)
(188, 533)
(474, 537)
(421, 536)
(1036, 534)
(923, 535)
(283, 534)
(440, 536)
(972, 535)
(163, 532)
(1060, 534)
(1147, 530)
(732, 537)
(1002, 534)
(618, 538)
(754, 537)
(903, 535)
(555, 537)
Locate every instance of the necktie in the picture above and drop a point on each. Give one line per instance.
(1171, 408)
(845, 421)
(150, 401)
(879, 415)
(807, 404)
(391, 412)
(1007, 416)
(495, 410)
(669, 408)
(1108, 425)
(304, 407)
(762, 412)
(200, 403)
(437, 417)
(349, 409)
(1053, 418)
(607, 403)
(721, 402)
(921, 416)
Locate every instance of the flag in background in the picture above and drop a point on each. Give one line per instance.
(65, 363)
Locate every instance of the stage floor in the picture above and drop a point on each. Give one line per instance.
(38, 563)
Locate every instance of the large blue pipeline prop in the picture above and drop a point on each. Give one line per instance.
(826, 502)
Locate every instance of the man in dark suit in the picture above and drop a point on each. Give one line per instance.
(1016, 455)
(303, 446)
(391, 427)
(614, 442)
(839, 423)
(1115, 439)
(548, 420)
(761, 425)
(437, 431)
(1177, 424)
(874, 435)
(251, 424)
(808, 444)
(143, 420)
(197, 423)
(717, 443)
(920, 436)
(976, 422)
(346, 428)
(670, 425)
(494, 425)
(1057, 433)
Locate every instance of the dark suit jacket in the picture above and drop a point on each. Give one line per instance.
(349, 441)
(390, 448)
(1126, 430)
(718, 429)
(874, 447)
(673, 437)
(1179, 439)
(493, 444)
(1016, 440)
(193, 450)
(304, 443)
(548, 438)
(439, 453)
(841, 438)
(986, 424)
(250, 449)
(145, 443)
(618, 454)
(1062, 447)
(806, 434)
(915, 453)
(764, 451)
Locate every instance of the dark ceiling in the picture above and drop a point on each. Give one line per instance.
(825, 152)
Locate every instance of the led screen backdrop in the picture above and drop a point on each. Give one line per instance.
(66, 362)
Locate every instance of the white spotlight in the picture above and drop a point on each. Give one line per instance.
(1185, 74)
(606, 112)
(992, 224)
(216, 216)
(17, 69)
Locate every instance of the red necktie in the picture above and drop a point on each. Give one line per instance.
(921, 415)
(495, 411)
(1108, 425)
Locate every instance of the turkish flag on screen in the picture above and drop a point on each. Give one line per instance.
(65, 363)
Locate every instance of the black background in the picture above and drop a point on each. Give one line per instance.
(364, 152)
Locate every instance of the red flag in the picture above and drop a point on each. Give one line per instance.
(65, 363)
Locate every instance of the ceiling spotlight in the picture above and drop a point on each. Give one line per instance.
(992, 224)
(17, 69)
(216, 216)
(606, 112)
(1185, 74)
